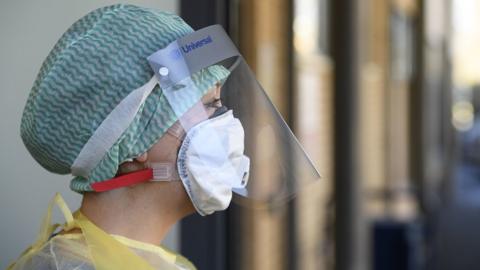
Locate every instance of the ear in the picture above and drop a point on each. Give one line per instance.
(142, 158)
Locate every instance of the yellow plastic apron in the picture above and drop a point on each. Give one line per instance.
(105, 251)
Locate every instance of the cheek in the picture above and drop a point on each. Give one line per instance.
(209, 96)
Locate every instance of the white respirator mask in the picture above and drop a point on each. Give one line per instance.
(211, 162)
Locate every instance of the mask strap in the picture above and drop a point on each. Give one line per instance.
(193, 116)
(161, 171)
(177, 131)
(123, 180)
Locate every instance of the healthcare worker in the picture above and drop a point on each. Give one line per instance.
(155, 121)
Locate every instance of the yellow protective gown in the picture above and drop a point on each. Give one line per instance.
(92, 248)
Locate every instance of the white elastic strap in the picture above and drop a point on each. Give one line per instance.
(196, 114)
(111, 129)
(177, 131)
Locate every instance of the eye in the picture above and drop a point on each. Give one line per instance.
(216, 103)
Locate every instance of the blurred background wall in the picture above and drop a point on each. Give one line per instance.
(28, 31)
(383, 95)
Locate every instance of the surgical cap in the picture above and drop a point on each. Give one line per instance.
(97, 62)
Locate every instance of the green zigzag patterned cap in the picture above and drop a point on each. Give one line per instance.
(97, 62)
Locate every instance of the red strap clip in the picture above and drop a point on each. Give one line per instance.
(124, 180)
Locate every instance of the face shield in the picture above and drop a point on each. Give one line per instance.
(278, 165)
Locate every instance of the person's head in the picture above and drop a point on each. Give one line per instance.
(165, 151)
(93, 112)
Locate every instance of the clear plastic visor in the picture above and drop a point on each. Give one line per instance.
(279, 166)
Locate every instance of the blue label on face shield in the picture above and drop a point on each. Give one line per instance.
(185, 56)
(197, 44)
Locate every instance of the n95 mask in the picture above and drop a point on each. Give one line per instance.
(211, 162)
